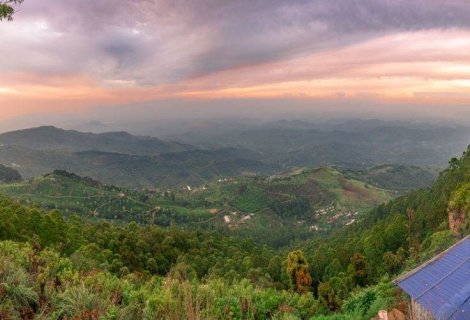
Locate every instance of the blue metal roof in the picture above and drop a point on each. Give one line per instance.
(442, 285)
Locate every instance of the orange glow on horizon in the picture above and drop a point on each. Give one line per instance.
(430, 67)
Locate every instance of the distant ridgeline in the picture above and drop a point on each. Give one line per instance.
(122, 159)
(8, 174)
(127, 160)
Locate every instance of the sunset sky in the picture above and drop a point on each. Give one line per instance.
(73, 56)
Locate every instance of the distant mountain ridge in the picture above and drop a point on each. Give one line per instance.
(357, 144)
(141, 161)
(53, 138)
(192, 167)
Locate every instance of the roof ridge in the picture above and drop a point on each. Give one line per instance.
(427, 263)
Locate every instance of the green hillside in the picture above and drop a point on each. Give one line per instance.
(73, 194)
(299, 193)
(435, 218)
(8, 174)
(297, 204)
(73, 268)
(135, 171)
(396, 177)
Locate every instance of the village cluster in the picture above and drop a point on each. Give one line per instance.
(232, 220)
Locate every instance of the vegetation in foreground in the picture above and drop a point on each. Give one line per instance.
(52, 268)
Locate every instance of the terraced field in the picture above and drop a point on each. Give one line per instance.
(293, 205)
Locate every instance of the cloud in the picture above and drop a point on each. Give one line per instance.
(158, 41)
(64, 54)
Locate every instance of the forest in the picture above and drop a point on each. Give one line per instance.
(70, 268)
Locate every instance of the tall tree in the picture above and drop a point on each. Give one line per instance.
(358, 269)
(298, 270)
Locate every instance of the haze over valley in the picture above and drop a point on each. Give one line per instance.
(262, 160)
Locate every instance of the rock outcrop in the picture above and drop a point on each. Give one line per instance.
(457, 220)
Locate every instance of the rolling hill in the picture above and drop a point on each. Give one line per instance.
(294, 205)
(399, 178)
(351, 267)
(8, 174)
(140, 161)
(49, 138)
(349, 144)
(136, 171)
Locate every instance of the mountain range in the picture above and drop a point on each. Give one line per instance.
(120, 158)
(224, 151)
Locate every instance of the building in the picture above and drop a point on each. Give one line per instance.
(440, 288)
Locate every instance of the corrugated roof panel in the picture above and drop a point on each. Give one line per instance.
(442, 285)
(463, 313)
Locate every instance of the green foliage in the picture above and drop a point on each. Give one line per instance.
(281, 209)
(16, 287)
(17, 294)
(91, 269)
(399, 178)
(67, 293)
(359, 267)
(299, 208)
(436, 243)
(8, 174)
(460, 199)
(365, 303)
(328, 296)
(7, 9)
(298, 270)
(393, 262)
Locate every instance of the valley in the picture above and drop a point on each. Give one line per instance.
(294, 204)
(227, 229)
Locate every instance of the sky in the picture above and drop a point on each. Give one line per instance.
(145, 58)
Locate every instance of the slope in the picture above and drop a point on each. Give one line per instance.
(49, 138)
(295, 205)
(400, 178)
(164, 169)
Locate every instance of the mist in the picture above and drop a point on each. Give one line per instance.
(168, 117)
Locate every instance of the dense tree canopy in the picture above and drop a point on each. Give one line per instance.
(68, 267)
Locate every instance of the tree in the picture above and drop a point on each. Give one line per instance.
(393, 262)
(333, 269)
(298, 270)
(358, 268)
(7, 9)
(327, 296)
